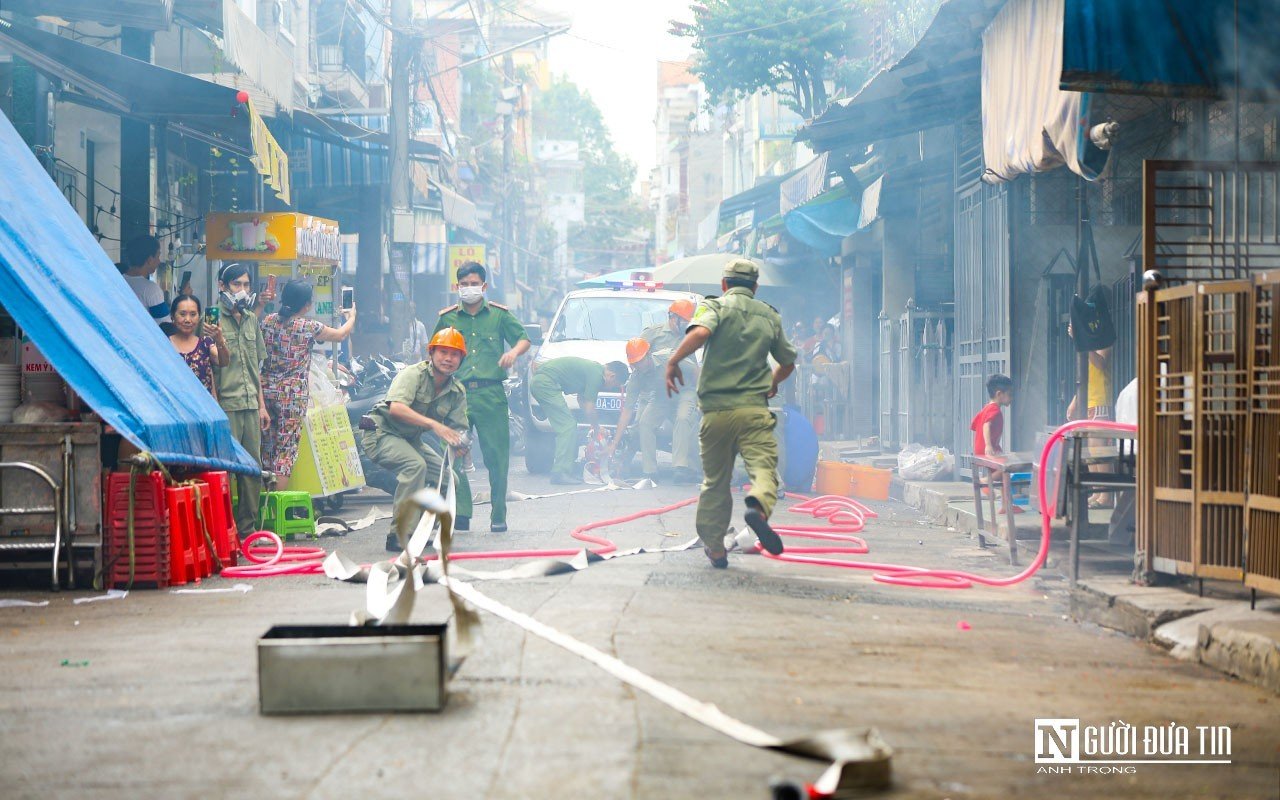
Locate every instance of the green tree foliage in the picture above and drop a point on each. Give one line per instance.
(797, 47)
(785, 46)
(564, 111)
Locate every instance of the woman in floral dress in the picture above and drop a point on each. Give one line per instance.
(200, 350)
(289, 337)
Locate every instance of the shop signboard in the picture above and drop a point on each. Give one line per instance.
(328, 459)
(459, 254)
(266, 236)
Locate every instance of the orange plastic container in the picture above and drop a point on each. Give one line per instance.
(852, 480)
(834, 477)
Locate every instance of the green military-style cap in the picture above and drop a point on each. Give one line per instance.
(742, 268)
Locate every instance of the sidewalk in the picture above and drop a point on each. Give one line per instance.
(1218, 628)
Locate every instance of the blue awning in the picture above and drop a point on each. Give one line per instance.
(67, 296)
(822, 223)
(1180, 48)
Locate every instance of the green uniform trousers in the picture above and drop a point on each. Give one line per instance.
(551, 400)
(417, 466)
(724, 435)
(487, 412)
(247, 430)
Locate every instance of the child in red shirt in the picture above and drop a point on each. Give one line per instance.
(988, 424)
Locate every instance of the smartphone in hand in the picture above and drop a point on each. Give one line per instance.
(348, 296)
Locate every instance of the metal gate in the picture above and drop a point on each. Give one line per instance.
(1262, 550)
(982, 302)
(888, 384)
(1166, 428)
(924, 377)
(1222, 415)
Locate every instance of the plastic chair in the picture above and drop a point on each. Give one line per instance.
(184, 566)
(222, 519)
(287, 514)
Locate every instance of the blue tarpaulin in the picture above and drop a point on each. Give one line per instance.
(822, 223)
(67, 296)
(1180, 48)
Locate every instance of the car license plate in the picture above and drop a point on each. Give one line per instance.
(609, 403)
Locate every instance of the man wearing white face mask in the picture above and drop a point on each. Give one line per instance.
(495, 339)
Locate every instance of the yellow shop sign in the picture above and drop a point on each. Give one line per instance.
(263, 236)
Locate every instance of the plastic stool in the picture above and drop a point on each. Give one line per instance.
(205, 521)
(287, 514)
(222, 520)
(183, 564)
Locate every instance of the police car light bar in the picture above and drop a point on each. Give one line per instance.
(646, 285)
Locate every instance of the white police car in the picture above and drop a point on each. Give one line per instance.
(595, 324)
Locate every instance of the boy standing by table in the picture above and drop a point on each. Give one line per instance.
(988, 424)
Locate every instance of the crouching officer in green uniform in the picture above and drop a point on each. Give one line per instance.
(739, 333)
(423, 398)
(571, 375)
(495, 339)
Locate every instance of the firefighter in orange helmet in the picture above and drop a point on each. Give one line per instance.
(682, 412)
(423, 398)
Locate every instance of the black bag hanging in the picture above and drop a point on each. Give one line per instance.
(1092, 327)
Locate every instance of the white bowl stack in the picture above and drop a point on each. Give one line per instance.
(10, 391)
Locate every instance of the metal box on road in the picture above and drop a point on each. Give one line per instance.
(309, 669)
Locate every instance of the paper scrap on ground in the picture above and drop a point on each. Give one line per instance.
(243, 588)
(7, 603)
(112, 594)
(376, 513)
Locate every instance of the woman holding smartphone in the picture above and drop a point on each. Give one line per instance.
(200, 350)
(289, 336)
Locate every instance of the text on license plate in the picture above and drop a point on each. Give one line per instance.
(609, 403)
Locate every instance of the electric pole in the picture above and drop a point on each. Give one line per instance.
(401, 223)
(506, 260)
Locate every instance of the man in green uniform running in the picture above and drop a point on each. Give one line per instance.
(571, 375)
(495, 339)
(739, 333)
(423, 398)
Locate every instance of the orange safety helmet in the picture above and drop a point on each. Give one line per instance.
(449, 337)
(637, 349)
(683, 309)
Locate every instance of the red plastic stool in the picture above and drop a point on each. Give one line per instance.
(204, 522)
(222, 521)
(184, 556)
(151, 557)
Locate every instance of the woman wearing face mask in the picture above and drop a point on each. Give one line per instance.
(289, 336)
(201, 351)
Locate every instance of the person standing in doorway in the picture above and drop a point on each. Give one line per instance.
(495, 339)
(739, 333)
(240, 383)
(141, 260)
(1100, 406)
(414, 347)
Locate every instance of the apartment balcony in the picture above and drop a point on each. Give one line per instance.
(341, 76)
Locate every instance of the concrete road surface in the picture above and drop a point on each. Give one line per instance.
(164, 702)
